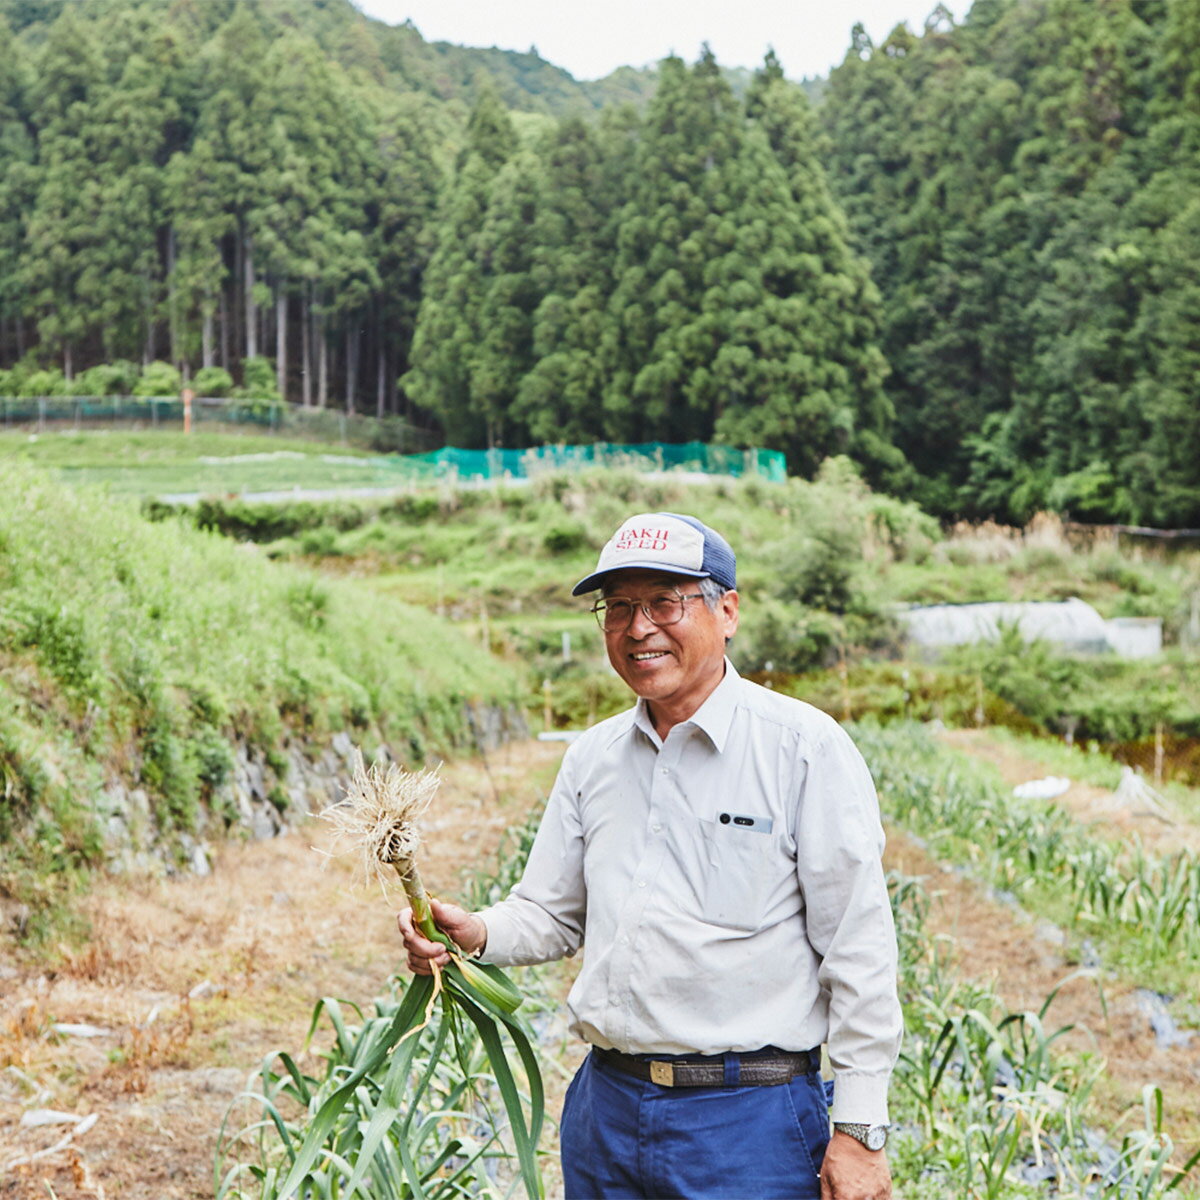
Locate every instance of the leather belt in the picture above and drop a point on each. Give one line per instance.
(754, 1070)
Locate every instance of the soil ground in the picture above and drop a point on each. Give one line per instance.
(194, 981)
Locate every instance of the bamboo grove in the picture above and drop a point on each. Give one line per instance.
(970, 264)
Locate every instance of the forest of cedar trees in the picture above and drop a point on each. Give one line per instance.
(969, 260)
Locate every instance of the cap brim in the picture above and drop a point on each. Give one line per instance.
(596, 579)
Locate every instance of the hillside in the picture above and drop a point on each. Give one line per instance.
(161, 687)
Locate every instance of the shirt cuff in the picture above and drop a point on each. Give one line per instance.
(860, 1098)
(500, 945)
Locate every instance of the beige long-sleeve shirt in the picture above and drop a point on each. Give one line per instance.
(727, 886)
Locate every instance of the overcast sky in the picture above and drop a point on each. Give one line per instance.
(590, 38)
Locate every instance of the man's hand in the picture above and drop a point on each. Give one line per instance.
(852, 1172)
(464, 929)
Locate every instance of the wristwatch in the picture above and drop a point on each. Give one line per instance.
(874, 1137)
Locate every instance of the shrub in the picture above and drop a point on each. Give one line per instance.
(212, 381)
(565, 538)
(258, 379)
(45, 383)
(158, 379)
(107, 379)
(777, 635)
(212, 755)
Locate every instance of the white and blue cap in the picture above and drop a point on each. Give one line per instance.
(669, 542)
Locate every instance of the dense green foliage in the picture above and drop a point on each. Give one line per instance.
(1025, 187)
(183, 193)
(291, 196)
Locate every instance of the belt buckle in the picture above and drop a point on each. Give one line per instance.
(662, 1073)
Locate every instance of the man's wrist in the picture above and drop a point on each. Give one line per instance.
(480, 937)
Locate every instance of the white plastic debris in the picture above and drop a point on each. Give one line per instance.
(1042, 789)
(48, 1116)
(85, 1031)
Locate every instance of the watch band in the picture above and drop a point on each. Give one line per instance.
(874, 1137)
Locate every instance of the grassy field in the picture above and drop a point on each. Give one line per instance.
(140, 464)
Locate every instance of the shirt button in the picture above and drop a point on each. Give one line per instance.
(656, 829)
(641, 883)
(624, 941)
(664, 770)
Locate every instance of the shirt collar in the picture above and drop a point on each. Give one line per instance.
(713, 717)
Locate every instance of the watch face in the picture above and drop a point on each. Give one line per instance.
(877, 1137)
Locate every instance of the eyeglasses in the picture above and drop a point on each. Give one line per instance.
(614, 614)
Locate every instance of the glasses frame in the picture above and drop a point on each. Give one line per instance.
(601, 606)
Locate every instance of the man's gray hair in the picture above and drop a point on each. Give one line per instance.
(712, 592)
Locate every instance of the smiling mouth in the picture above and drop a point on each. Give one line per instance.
(646, 655)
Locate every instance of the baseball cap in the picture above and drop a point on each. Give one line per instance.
(665, 541)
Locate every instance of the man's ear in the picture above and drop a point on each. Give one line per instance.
(729, 613)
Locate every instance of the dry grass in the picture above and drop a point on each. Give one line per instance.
(198, 979)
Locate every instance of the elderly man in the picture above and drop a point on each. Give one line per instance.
(716, 851)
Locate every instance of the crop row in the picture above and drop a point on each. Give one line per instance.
(989, 1106)
(428, 1119)
(1145, 907)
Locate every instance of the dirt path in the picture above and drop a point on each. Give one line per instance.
(194, 981)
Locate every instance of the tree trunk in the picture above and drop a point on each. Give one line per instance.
(172, 316)
(236, 337)
(306, 349)
(251, 308)
(68, 368)
(322, 362)
(381, 405)
(206, 332)
(224, 329)
(281, 341)
(352, 347)
(150, 351)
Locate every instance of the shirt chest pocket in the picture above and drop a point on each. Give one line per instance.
(738, 872)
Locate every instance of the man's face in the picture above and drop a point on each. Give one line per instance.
(673, 666)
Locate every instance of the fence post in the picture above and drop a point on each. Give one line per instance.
(41, 414)
(188, 397)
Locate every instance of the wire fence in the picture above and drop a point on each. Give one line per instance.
(411, 449)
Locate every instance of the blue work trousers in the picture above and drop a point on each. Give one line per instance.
(625, 1139)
